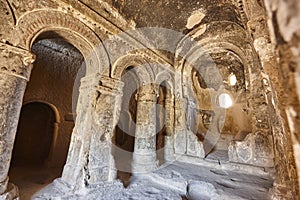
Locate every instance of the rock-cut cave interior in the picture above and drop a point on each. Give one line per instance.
(149, 99)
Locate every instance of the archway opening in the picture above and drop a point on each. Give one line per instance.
(124, 134)
(220, 90)
(34, 135)
(54, 82)
(164, 114)
(160, 123)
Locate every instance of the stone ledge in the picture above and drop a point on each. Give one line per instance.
(236, 167)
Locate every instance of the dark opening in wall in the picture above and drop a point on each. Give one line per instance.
(124, 134)
(43, 137)
(161, 123)
(34, 135)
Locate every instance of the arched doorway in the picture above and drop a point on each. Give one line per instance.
(125, 130)
(32, 149)
(217, 112)
(44, 132)
(164, 114)
(34, 135)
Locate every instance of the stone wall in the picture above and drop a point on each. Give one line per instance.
(284, 27)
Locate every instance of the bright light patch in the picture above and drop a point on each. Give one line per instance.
(225, 100)
(232, 79)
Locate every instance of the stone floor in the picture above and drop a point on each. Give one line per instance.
(31, 179)
(224, 181)
(194, 179)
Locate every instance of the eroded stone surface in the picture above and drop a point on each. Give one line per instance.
(257, 42)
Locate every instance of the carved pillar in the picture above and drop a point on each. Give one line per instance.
(170, 111)
(15, 69)
(180, 138)
(194, 146)
(169, 127)
(90, 161)
(144, 156)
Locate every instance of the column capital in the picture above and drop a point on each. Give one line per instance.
(148, 93)
(104, 84)
(15, 61)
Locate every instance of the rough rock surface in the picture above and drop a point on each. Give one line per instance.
(198, 52)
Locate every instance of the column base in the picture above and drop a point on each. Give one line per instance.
(169, 152)
(59, 189)
(180, 145)
(144, 163)
(194, 147)
(11, 193)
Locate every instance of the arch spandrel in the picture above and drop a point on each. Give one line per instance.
(141, 66)
(40, 22)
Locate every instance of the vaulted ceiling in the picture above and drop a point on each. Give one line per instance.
(172, 14)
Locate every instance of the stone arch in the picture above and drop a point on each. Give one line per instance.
(57, 122)
(134, 78)
(186, 68)
(187, 54)
(207, 46)
(7, 16)
(167, 77)
(200, 39)
(52, 106)
(140, 64)
(204, 47)
(32, 25)
(48, 130)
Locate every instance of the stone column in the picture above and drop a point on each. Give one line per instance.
(170, 113)
(90, 161)
(180, 138)
(144, 156)
(193, 145)
(15, 69)
(169, 127)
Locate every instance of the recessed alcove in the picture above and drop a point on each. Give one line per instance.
(44, 131)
